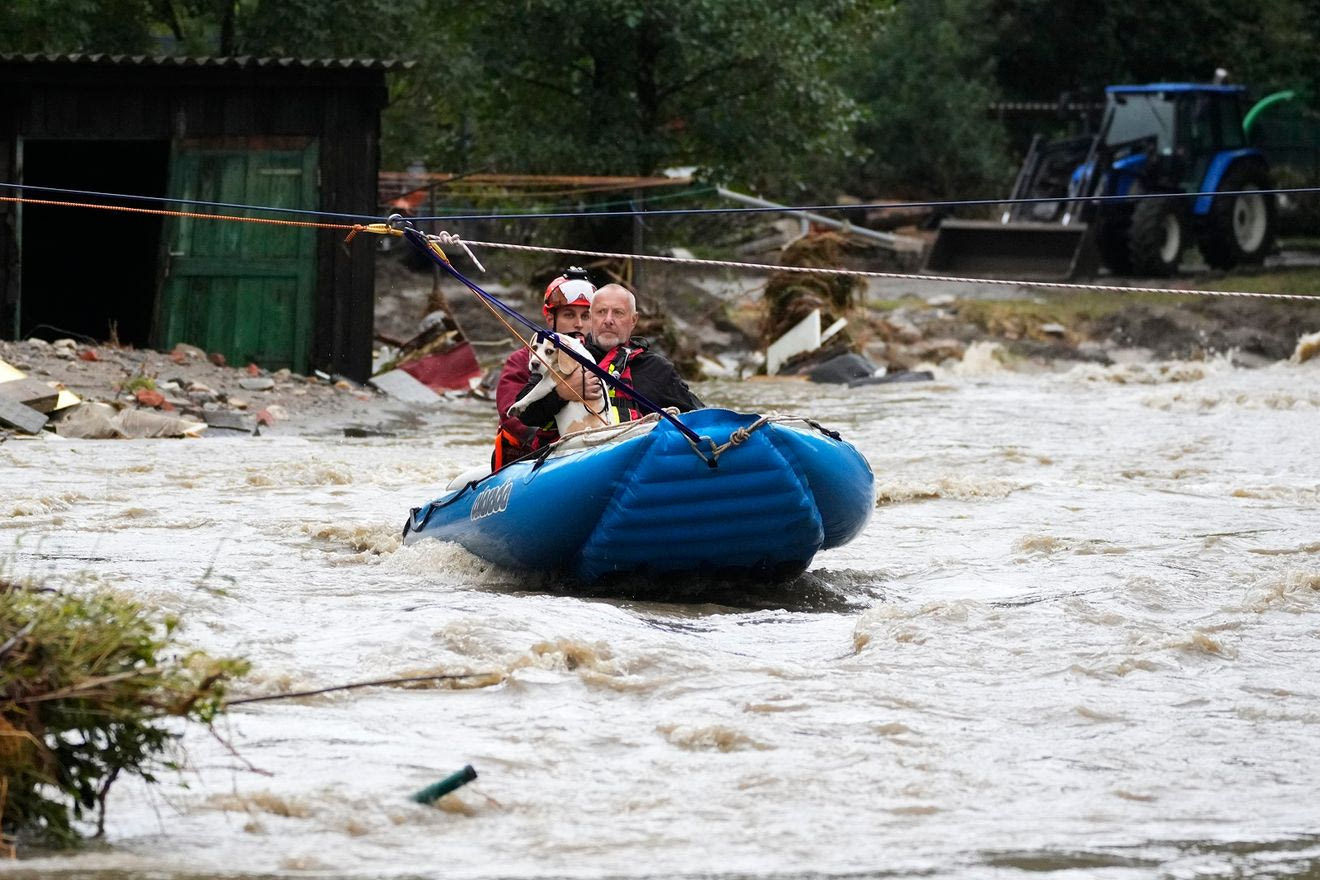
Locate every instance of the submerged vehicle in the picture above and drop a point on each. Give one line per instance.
(758, 497)
(1161, 138)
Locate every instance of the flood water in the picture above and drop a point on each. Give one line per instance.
(1079, 638)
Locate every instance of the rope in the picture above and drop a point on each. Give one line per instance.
(433, 242)
(678, 212)
(194, 214)
(479, 190)
(437, 239)
(910, 276)
(615, 432)
(162, 200)
(875, 206)
(740, 435)
(380, 228)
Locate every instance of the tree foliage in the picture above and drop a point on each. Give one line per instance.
(295, 28)
(786, 98)
(1048, 46)
(114, 26)
(743, 90)
(926, 91)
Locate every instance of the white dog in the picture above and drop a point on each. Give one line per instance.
(575, 415)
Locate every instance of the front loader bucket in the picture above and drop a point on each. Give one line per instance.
(1030, 251)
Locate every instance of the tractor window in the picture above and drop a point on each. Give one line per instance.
(1202, 125)
(1141, 115)
(1231, 136)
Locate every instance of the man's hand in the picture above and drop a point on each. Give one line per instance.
(571, 385)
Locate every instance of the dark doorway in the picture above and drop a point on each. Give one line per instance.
(86, 272)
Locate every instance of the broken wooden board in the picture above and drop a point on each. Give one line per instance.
(24, 418)
(30, 393)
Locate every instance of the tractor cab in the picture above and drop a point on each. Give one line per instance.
(1168, 134)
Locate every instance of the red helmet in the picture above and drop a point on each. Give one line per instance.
(570, 289)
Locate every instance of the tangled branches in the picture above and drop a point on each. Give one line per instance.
(87, 682)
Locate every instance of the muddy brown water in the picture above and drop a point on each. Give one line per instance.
(1077, 639)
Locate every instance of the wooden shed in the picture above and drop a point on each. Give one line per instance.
(277, 132)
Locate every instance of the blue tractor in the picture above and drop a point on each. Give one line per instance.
(1158, 138)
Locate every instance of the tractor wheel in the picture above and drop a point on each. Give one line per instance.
(1155, 239)
(1240, 229)
(1112, 241)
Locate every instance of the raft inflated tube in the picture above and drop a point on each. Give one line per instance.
(437, 790)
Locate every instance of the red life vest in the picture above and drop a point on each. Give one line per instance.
(616, 363)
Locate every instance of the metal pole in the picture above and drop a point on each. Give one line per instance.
(889, 240)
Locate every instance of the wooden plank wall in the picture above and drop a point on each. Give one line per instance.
(8, 218)
(349, 272)
(341, 108)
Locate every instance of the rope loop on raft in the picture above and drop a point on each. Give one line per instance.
(713, 459)
(740, 435)
(833, 435)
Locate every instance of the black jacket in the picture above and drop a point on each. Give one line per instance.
(652, 375)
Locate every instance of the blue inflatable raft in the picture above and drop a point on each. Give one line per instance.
(758, 496)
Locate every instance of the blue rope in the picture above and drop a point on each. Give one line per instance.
(420, 241)
(878, 206)
(669, 212)
(195, 203)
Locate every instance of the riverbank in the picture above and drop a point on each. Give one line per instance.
(709, 321)
(187, 386)
(709, 324)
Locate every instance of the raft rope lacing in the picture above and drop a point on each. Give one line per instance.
(740, 435)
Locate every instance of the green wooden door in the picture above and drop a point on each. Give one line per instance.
(241, 289)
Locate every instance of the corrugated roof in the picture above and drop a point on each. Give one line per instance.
(236, 62)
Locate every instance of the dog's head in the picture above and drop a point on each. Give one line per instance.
(548, 352)
(543, 353)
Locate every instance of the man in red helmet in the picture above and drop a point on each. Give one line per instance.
(567, 310)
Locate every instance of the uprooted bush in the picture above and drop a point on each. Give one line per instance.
(88, 684)
(791, 296)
